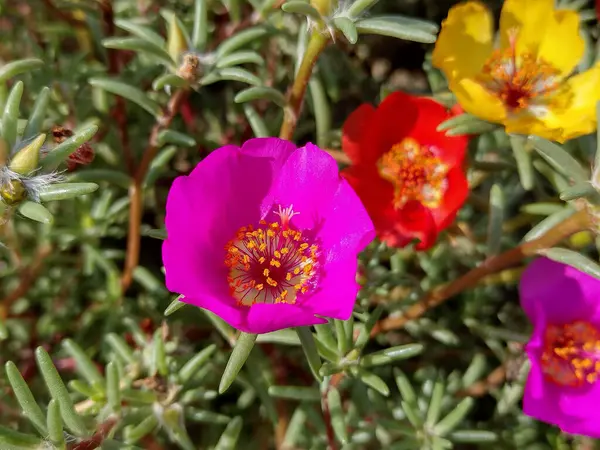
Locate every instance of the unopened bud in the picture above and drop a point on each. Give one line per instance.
(3, 152)
(13, 192)
(26, 160)
(325, 7)
(176, 42)
(190, 67)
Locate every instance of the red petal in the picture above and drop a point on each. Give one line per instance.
(454, 198)
(353, 132)
(416, 221)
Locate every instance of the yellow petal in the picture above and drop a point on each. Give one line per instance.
(529, 125)
(529, 18)
(579, 117)
(476, 100)
(562, 45)
(465, 40)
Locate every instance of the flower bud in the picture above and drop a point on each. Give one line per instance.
(26, 160)
(13, 192)
(325, 7)
(176, 42)
(3, 152)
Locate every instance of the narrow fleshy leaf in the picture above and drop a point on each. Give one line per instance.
(286, 336)
(113, 387)
(301, 393)
(473, 436)
(465, 124)
(120, 348)
(35, 211)
(581, 190)
(38, 114)
(159, 355)
(143, 428)
(238, 58)
(359, 6)
(389, 355)
(58, 391)
(85, 366)
(523, 160)
(229, 438)
(365, 333)
(129, 92)
(14, 68)
(141, 31)
(161, 161)
(260, 93)
(435, 403)
(157, 234)
(14, 440)
(168, 79)
(231, 74)
(336, 412)
(454, 417)
(102, 175)
(141, 46)
(176, 138)
(374, 381)
(10, 116)
(200, 28)
(310, 350)
(322, 111)
(558, 158)
(549, 222)
(496, 220)
(347, 27)
(475, 370)
(398, 27)
(31, 410)
(204, 416)
(55, 424)
(573, 259)
(240, 353)
(240, 39)
(300, 7)
(405, 387)
(63, 150)
(343, 340)
(175, 305)
(259, 128)
(191, 367)
(64, 191)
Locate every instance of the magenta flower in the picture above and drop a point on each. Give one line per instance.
(266, 236)
(563, 387)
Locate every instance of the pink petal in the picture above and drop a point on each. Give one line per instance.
(265, 318)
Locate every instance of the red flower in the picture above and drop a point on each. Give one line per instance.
(408, 175)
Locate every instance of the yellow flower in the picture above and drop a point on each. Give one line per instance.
(524, 83)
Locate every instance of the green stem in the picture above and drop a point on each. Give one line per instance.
(317, 43)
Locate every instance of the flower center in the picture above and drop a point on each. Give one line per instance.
(271, 262)
(522, 81)
(416, 173)
(571, 354)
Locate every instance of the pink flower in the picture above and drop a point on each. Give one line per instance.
(266, 236)
(563, 386)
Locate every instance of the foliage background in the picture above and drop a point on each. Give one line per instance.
(450, 378)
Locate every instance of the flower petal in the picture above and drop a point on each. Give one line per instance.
(560, 293)
(353, 133)
(413, 221)
(265, 318)
(531, 19)
(454, 197)
(562, 45)
(465, 41)
(476, 100)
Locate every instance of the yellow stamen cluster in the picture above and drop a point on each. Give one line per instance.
(270, 263)
(571, 354)
(416, 173)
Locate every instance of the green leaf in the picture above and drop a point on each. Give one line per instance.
(55, 425)
(231, 74)
(175, 305)
(241, 351)
(211, 417)
(191, 367)
(38, 114)
(373, 381)
(301, 393)
(580, 190)
(229, 438)
(160, 163)
(496, 220)
(145, 427)
(200, 28)
(63, 150)
(389, 355)
(240, 39)
(321, 109)
(347, 27)
(102, 175)
(85, 366)
(286, 336)
(238, 58)
(128, 92)
(58, 391)
(13, 440)
(120, 348)
(357, 7)
(310, 350)
(159, 355)
(398, 27)
(259, 128)
(435, 403)
(35, 211)
(139, 45)
(573, 259)
(113, 387)
(336, 412)
(168, 79)
(344, 341)
(11, 114)
(14, 68)
(300, 7)
(454, 417)
(365, 333)
(465, 124)
(260, 93)
(63, 191)
(405, 387)
(473, 436)
(141, 31)
(475, 370)
(558, 158)
(31, 409)
(523, 160)
(176, 138)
